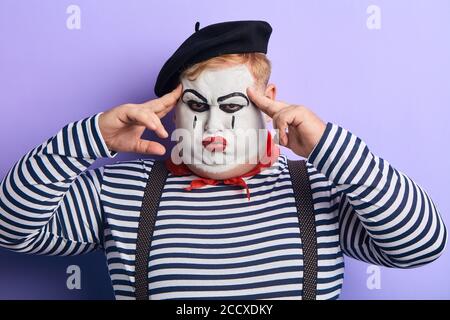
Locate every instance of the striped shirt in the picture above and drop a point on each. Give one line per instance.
(212, 243)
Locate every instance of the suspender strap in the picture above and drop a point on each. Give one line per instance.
(305, 210)
(150, 204)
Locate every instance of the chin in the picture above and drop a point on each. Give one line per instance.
(221, 172)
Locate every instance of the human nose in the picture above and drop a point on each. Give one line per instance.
(215, 120)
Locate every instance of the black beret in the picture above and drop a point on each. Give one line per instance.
(212, 41)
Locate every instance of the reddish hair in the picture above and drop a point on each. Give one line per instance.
(259, 65)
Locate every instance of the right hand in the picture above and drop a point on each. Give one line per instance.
(122, 127)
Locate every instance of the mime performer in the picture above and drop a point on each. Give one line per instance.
(223, 217)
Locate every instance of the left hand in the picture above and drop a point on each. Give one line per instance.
(304, 127)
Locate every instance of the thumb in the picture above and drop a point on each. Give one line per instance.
(149, 147)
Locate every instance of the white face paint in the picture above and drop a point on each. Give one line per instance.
(216, 105)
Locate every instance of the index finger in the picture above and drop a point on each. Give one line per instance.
(166, 101)
(171, 98)
(268, 106)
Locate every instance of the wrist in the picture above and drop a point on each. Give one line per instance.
(104, 146)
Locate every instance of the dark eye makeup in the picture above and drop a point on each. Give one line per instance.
(201, 106)
(197, 106)
(230, 107)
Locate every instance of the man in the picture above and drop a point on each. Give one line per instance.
(227, 217)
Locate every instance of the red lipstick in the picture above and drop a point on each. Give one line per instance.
(216, 143)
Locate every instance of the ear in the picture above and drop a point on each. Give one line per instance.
(271, 93)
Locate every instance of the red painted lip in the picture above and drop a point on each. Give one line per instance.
(215, 143)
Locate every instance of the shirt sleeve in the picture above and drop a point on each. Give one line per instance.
(385, 218)
(49, 200)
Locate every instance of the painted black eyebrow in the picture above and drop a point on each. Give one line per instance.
(234, 94)
(196, 94)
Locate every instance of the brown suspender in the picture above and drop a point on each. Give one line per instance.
(150, 204)
(305, 211)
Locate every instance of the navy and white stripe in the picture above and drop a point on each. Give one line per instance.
(212, 243)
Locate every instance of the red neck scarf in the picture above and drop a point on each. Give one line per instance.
(272, 153)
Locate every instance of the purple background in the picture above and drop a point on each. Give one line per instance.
(390, 87)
